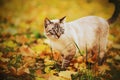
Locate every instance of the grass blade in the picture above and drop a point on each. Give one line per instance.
(78, 48)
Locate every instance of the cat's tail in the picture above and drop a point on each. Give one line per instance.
(116, 11)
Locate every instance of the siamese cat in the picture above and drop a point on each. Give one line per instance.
(91, 32)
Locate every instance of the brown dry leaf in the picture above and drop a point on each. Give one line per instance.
(29, 61)
(23, 69)
(57, 56)
(73, 61)
(27, 51)
(26, 70)
(4, 66)
(20, 71)
(95, 69)
(102, 69)
(90, 60)
(13, 70)
(95, 57)
(38, 72)
(4, 59)
(22, 39)
(10, 54)
(44, 54)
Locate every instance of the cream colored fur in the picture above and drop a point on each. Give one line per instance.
(90, 31)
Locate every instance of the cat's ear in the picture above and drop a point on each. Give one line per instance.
(46, 22)
(63, 19)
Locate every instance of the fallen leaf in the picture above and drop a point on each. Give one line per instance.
(22, 39)
(102, 69)
(39, 78)
(38, 72)
(52, 77)
(27, 51)
(66, 74)
(9, 43)
(80, 59)
(57, 56)
(117, 57)
(4, 59)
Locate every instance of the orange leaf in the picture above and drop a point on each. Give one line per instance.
(21, 39)
(26, 51)
(38, 72)
(80, 59)
(57, 56)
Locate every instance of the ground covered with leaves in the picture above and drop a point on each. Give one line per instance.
(24, 50)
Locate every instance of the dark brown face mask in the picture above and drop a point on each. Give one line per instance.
(54, 28)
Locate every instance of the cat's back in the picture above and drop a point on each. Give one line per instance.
(89, 22)
(86, 29)
(91, 19)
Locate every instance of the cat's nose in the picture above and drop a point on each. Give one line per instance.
(58, 36)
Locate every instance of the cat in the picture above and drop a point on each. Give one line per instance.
(90, 31)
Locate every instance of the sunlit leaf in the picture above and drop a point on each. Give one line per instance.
(9, 43)
(4, 59)
(25, 53)
(22, 39)
(56, 78)
(104, 68)
(39, 48)
(47, 69)
(66, 74)
(117, 57)
(38, 78)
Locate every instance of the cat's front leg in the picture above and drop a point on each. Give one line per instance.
(67, 58)
(102, 58)
(66, 61)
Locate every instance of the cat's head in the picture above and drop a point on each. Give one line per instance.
(54, 28)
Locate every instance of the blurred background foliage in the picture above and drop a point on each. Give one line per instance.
(30, 14)
(22, 32)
